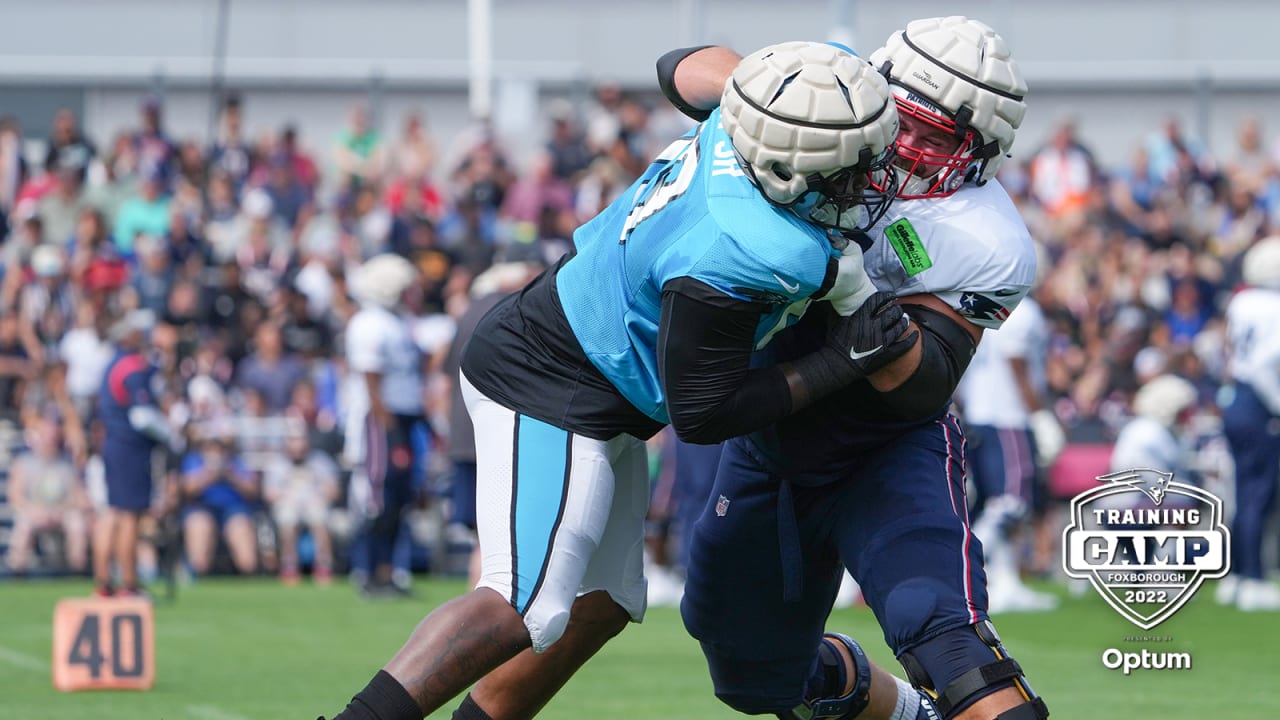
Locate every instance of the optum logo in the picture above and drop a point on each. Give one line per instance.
(1113, 659)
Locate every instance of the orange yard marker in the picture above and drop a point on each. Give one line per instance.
(103, 644)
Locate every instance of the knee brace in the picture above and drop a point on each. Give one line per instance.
(957, 670)
(846, 706)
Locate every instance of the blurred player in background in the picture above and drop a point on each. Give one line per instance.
(134, 426)
(872, 477)
(1150, 438)
(720, 243)
(388, 367)
(1010, 434)
(1251, 421)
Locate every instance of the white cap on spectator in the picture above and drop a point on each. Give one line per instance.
(204, 390)
(1262, 263)
(47, 260)
(257, 204)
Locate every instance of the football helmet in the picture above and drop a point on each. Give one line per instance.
(1262, 263)
(1164, 399)
(813, 127)
(956, 75)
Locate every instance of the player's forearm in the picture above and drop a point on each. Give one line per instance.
(693, 78)
(899, 371)
(941, 356)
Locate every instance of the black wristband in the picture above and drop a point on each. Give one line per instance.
(817, 375)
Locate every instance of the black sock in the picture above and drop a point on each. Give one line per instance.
(384, 698)
(469, 710)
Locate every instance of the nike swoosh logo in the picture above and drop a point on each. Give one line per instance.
(1006, 293)
(855, 355)
(792, 289)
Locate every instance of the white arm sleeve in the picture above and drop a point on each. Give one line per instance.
(148, 420)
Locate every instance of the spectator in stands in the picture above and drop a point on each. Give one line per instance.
(13, 169)
(146, 212)
(567, 147)
(299, 487)
(15, 367)
(219, 490)
(156, 153)
(270, 370)
(414, 155)
(360, 156)
(153, 277)
(46, 494)
(60, 209)
(47, 304)
(95, 261)
(230, 155)
(87, 355)
(1062, 173)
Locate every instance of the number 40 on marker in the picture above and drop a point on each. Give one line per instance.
(103, 643)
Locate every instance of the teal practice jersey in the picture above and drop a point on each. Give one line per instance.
(693, 214)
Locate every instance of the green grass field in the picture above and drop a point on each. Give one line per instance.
(255, 650)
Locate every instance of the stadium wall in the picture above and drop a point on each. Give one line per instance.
(1119, 68)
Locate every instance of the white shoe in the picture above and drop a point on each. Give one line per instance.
(1228, 587)
(1010, 595)
(1257, 596)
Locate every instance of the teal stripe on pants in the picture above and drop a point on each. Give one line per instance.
(541, 482)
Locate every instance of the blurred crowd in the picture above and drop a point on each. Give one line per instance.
(241, 251)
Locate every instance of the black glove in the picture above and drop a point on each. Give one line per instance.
(856, 346)
(868, 339)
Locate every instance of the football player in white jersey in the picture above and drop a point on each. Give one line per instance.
(1010, 434)
(386, 395)
(1150, 438)
(872, 478)
(1251, 421)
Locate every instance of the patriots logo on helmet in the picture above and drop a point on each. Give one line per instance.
(981, 307)
(1153, 483)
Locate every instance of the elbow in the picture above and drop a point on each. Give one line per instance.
(701, 428)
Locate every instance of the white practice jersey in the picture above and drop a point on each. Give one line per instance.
(972, 250)
(988, 391)
(1253, 331)
(1146, 443)
(379, 341)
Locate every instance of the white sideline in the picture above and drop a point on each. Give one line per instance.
(210, 712)
(23, 660)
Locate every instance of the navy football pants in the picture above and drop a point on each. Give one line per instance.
(1254, 437)
(767, 557)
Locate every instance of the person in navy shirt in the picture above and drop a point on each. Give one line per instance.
(134, 426)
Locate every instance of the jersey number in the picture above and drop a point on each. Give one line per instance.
(681, 164)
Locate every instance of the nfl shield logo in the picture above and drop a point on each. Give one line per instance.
(1146, 543)
(722, 506)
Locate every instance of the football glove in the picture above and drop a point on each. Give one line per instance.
(853, 286)
(869, 337)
